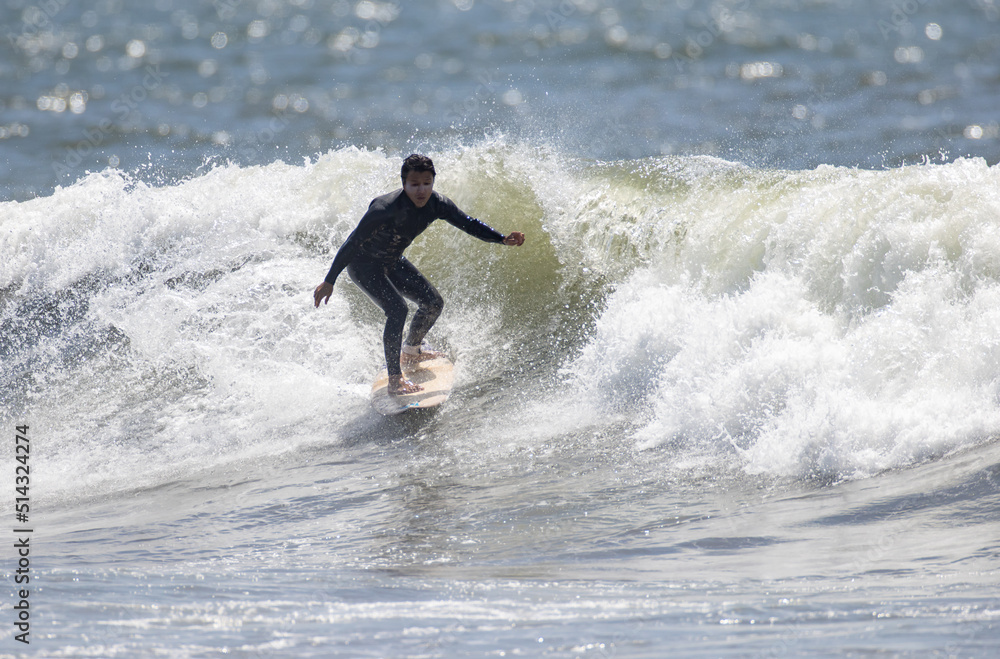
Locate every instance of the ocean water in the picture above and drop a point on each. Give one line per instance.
(737, 396)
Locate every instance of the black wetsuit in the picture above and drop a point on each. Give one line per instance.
(373, 257)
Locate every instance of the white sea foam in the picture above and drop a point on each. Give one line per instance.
(837, 324)
(828, 323)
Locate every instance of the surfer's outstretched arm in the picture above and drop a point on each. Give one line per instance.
(367, 228)
(323, 293)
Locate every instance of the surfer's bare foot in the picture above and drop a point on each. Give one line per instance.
(425, 354)
(401, 386)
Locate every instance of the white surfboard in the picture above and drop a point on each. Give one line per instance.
(436, 376)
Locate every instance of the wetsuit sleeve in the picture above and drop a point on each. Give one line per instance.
(343, 258)
(366, 227)
(470, 225)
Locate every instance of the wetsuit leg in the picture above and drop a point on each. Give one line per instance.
(373, 279)
(386, 286)
(408, 281)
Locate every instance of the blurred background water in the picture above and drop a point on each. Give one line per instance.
(168, 85)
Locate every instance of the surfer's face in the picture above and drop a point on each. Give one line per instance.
(418, 187)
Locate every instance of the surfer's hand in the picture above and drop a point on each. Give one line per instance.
(323, 293)
(514, 238)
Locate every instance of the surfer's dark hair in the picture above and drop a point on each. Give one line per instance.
(416, 162)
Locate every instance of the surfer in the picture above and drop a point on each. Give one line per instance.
(373, 258)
